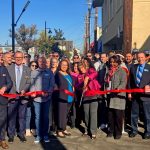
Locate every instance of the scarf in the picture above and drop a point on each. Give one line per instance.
(110, 74)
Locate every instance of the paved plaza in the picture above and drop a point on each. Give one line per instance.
(78, 142)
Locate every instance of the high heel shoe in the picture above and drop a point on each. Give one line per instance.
(66, 133)
(93, 137)
(60, 134)
(85, 134)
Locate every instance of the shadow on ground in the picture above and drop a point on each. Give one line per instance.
(54, 144)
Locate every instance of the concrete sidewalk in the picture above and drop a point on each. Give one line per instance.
(78, 142)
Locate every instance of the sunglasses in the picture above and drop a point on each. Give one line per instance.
(55, 56)
(75, 57)
(34, 65)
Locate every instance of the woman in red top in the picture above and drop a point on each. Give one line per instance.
(90, 103)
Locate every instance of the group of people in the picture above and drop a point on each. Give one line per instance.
(59, 95)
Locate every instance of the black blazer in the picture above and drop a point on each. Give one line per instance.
(5, 81)
(61, 83)
(144, 81)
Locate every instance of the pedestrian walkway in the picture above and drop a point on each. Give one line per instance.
(78, 142)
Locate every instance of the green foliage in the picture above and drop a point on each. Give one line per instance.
(59, 35)
(44, 44)
(25, 36)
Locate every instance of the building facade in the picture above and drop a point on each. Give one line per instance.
(118, 18)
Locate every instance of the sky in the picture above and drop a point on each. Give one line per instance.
(68, 15)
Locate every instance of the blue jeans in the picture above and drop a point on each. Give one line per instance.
(30, 116)
(42, 118)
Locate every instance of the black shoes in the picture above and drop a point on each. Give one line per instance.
(146, 136)
(109, 135)
(117, 137)
(132, 135)
(11, 139)
(22, 139)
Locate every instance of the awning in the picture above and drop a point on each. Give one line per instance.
(97, 3)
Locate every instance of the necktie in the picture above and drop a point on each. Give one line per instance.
(18, 79)
(139, 75)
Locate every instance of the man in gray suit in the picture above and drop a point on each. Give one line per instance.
(20, 75)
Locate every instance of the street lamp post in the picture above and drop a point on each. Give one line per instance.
(14, 24)
(46, 31)
(46, 36)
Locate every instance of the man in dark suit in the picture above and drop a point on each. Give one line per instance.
(20, 76)
(5, 85)
(140, 78)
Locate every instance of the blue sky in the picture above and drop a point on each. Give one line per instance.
(67, 15)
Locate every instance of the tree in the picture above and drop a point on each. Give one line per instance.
(25, 36)
(45, 44)
(59, 35)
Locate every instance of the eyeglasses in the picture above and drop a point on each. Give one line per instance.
(25, 56)
(19, 57)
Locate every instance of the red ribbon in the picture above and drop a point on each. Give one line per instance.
(87, 93)
(37, 93)
(97, 92)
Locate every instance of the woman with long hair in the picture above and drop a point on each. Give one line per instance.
(72, 115)
(64, 82)
(90, 103)
(53, 107)
(30, 115)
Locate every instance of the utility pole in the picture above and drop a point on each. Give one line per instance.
(127, 25)
(86, 35)
(95, 29)
(89, 16)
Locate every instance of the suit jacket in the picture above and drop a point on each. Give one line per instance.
(5, 81)
(145, 80)
(25, 79)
